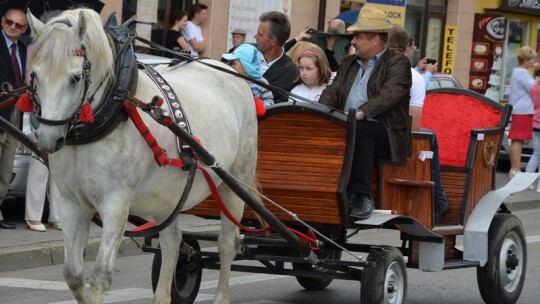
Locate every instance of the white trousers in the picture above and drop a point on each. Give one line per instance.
(36, 190)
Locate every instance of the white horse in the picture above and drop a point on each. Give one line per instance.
(117, 175)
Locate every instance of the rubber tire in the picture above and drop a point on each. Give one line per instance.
(388, 266)
(311, 283)
(187, 278)
(505, 233)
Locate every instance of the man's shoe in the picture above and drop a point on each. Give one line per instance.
(4, 225)
(362, 206)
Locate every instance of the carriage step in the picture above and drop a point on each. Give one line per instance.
(405, 224)
(457, 264)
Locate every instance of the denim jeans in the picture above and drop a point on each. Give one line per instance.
(534, 161)
(436, 165)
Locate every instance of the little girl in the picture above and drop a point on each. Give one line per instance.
(314, 74)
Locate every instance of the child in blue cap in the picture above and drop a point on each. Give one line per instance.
(246, 60)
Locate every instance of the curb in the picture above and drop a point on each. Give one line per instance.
(52, 253)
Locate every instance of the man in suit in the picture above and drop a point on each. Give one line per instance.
(273, 31)
(12, 67)
(376, 82)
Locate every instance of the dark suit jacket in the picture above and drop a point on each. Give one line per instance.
(282, 75)
(6, 70)
(388, 97)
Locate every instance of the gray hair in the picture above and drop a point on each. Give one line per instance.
(279, 26)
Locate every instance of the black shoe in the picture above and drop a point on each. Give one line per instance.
(362, 206)
(441, 206)
(4, 225)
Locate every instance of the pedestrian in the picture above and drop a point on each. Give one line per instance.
(376, 83)
(534, 161)
(314, 74)
(198, 15)
(273, 30)
(175, 40)
(522, 106)
(12, 67)
(38, 180)
(247, 60)
(238, 37)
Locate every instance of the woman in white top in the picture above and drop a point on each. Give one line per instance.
(522, 106)
(314, 74)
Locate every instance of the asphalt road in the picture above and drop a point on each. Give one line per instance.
(132, 284)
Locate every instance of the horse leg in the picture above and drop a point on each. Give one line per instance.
(169, 241)
(114, 214)
(227, 244)
(75, 229)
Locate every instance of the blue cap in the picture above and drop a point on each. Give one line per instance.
(249, 56)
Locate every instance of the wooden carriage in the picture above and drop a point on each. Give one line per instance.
(304, 161)
(305, 154)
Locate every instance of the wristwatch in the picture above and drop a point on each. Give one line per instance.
(359, 115)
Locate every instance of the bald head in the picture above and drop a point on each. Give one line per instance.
(336, 26)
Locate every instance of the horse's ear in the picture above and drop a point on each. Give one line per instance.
(36, 26)
(81, 25)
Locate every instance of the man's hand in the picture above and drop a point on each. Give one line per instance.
(330, 40)
(303, 35)
(422, 64)
(431, 68)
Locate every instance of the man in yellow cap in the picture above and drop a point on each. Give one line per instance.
(376, 82)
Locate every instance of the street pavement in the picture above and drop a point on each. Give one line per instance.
(22, 248)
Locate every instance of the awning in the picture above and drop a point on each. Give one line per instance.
(521, 6)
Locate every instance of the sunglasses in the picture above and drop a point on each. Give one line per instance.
(11, 22)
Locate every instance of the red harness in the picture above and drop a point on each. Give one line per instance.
(162, 159)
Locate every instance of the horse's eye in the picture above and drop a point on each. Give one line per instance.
(75, 79)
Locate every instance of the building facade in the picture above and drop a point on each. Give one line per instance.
(446, 30)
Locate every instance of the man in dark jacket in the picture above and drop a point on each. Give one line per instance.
(12, 70)
(376, 82)
(273, 31)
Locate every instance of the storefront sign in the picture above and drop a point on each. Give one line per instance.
(486, 58)
(394, 10)
(529, 7)
(244, 14)
(449, 49)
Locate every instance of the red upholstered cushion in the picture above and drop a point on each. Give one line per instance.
(451, 117)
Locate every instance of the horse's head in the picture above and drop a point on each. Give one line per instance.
(70, 58)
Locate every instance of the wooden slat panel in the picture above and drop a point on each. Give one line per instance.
(299, 165)
(409, 200)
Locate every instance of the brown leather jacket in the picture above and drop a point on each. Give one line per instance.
(388, 97)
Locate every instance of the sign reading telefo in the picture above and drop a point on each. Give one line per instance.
(449, 51)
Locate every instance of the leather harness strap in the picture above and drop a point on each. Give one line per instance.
(175, 108)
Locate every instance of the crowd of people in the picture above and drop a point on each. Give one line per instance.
(342, 73)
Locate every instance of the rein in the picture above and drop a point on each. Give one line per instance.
(221, 69)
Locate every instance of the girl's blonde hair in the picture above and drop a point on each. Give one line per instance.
(323, 67)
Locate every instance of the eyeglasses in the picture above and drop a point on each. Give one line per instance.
(11, 22)
(412, 47)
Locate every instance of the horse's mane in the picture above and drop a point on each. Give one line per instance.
(57, 42)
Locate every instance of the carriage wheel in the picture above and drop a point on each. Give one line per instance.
(311, 283)
(187, 277)
(501, 279)
(386, 280)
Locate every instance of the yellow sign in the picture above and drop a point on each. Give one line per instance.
(449, 49)
(394, 13)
